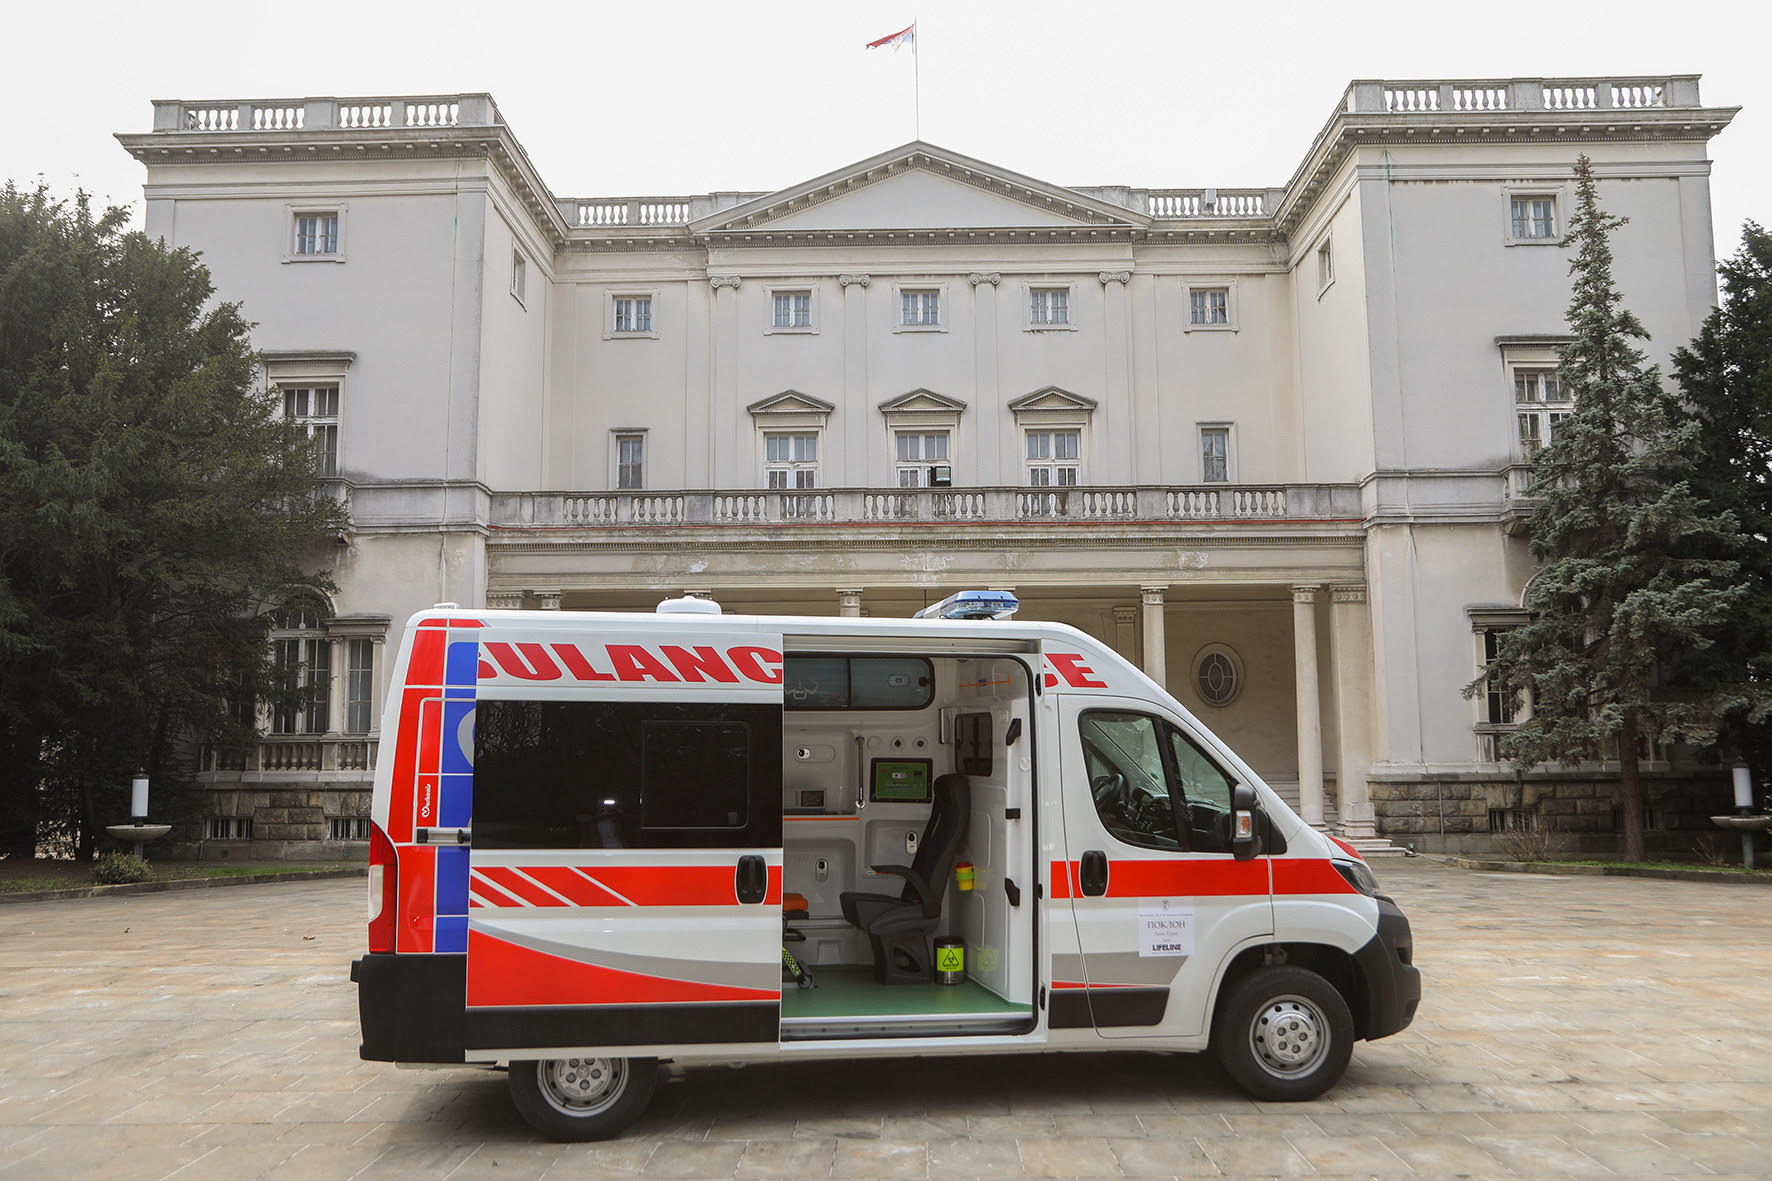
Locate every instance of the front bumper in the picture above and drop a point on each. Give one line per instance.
(1393, 983)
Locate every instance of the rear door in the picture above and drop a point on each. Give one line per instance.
(625, 880)
(1158, 899)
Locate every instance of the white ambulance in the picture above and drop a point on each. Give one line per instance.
(603, 840)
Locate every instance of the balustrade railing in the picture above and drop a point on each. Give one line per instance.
(327, 114)
(1488, 95)
(293, 753)
(890, 506)
(632, 211)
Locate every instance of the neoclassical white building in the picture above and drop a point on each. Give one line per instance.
(1266, 441)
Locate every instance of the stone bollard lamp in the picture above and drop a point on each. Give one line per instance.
(138, 829)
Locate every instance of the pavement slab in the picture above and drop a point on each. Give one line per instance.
(1585, 1026)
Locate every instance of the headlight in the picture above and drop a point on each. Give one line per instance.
(1358, 875)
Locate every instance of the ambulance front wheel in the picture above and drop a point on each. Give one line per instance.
(582, 1098)
(1284, 1033)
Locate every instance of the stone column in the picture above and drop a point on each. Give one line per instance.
(1156, 650)
(1124, 619)
(849, 603)
(339, 653)
(1116, 454)
(378, 671)
(985, 433)
(727, 456)
(1310, 717)
(1350, 640)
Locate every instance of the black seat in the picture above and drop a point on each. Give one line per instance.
(902, 928)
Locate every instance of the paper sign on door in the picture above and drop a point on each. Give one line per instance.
(1166, 926)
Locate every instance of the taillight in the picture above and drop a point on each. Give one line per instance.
(384, 890)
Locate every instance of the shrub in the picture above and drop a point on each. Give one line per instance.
(115, 869)
(1538, 842)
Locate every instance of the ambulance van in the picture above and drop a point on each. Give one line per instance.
(602, 841)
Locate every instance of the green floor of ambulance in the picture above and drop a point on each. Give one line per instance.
(852, 992)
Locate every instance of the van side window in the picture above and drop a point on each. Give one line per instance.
(626, 775)
(1127, 778)
(1153, 786)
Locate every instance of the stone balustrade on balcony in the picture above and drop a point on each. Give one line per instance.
(1205, 504)
(325, 114)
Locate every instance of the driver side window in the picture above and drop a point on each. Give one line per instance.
(1129, 779)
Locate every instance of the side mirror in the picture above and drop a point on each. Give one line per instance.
(1246, 823)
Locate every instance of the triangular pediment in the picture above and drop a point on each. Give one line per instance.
(922, 402)
(920, 187)
(791, 402)
(1052, 398)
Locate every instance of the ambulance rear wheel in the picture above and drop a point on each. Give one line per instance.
(582, 1098)
(1284, 1033)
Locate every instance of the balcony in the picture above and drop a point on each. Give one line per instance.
(1253, 504)
(294, 757)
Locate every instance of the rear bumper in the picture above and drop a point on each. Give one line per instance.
(1393, 983)
(411, 1007)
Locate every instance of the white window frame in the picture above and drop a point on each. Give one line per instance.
(1557, 195)
(1325, 253)
(920, 466)
(310, 643)
(1228, 286)
(1519, 359)
(650, 332)
(1230, 450)
(1032, 289)
(520, 277)
(942, 307)
(1484, 621)
(1051, 464)
(792, 468)
(810, 328)
(291, 225)
(298, 369)
(617, 437)
(1239, 675)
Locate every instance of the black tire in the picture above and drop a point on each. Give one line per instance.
(573, 1099)
(1284, 1034)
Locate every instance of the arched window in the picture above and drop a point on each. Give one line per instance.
(1218, 675)
(301, 660)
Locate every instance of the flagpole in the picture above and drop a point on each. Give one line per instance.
(917, 77)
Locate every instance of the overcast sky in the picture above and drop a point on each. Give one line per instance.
(689, 96)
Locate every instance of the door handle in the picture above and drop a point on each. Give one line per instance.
(752, 879)
(1095, 873)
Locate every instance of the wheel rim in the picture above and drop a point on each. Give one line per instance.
(1289, 1037)
(582, 1086)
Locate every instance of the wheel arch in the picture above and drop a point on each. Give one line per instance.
(1336, 966)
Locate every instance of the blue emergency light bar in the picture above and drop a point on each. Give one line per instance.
(973, 604)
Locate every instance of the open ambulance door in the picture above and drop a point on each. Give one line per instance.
(625, 880)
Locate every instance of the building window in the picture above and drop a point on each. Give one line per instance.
(1539, 405)
(1501, 706)
(1052, 458)
(1533, 217)
(632, 315)
(301, 663)
(1215, 454)
(793, 309)
(630, 460)
(229, 828)
(922, 458)
(1049, 306)
(316, 234)
(1209, 306)
(790, 460)
(920, 308)
(359, 684)
(315, 407)
(1325, 265)
(519, 275)
(347, 828)
(1218, 675)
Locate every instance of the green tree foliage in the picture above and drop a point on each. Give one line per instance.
(1725, 378)
(1631, 574)
(153, 503)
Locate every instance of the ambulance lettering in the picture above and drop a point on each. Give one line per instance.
(1069, 667)
(666, 664)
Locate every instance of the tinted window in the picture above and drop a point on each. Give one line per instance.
(612, 775)
(858, 682)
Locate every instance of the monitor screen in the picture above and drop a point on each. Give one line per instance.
(900, 781)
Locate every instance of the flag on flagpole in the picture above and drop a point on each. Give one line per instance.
(905, 36)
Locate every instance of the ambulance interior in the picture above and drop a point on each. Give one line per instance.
(925, 763)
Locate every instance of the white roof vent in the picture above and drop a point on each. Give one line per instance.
(689, 605)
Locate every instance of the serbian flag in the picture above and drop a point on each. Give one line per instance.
(905, 36)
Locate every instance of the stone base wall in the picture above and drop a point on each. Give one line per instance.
(289, 823)
(1578, 813)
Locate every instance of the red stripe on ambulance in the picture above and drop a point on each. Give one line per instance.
(508, 974)
(1137, 878)
(623, 885)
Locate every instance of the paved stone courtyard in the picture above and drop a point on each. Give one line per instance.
(1571, 1026)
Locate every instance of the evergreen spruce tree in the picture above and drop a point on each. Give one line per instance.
(1725, 378)
(1625, 581)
